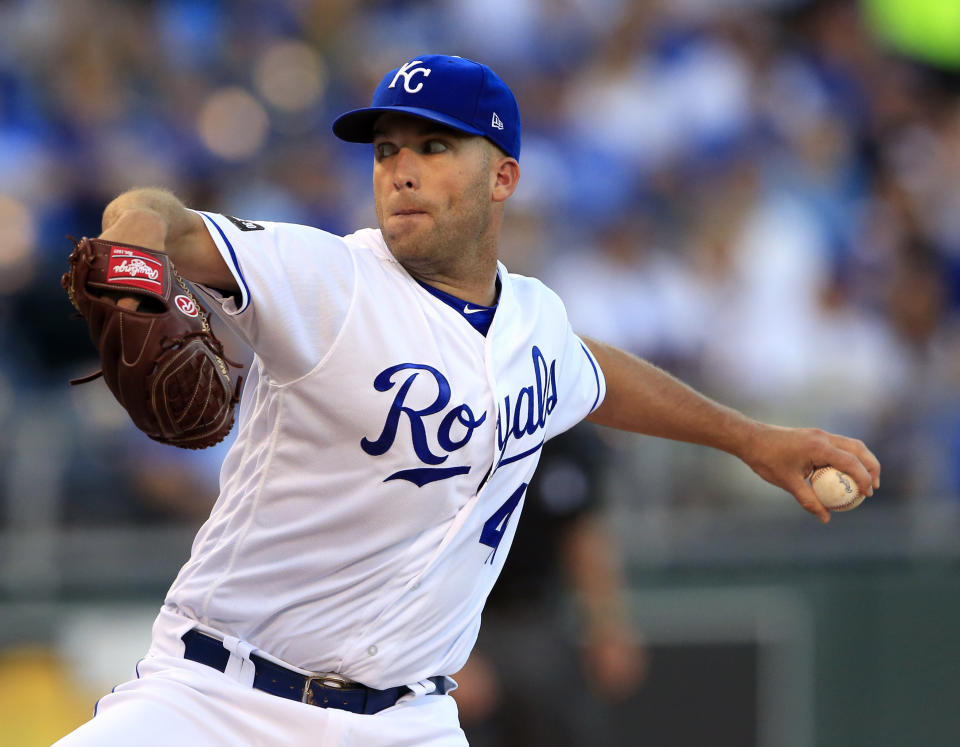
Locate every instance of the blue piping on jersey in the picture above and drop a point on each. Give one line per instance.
(595, 375)
(521, 455)
(233, 257)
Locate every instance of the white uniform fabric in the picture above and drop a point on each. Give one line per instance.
(383, 447)
(174, 701)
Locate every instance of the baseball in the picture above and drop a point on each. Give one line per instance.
(835, 489)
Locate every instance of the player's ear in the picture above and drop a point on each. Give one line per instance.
(506, 173)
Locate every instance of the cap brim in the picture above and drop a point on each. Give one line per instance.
(357, 126)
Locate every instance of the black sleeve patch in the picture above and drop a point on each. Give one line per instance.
(244, 225)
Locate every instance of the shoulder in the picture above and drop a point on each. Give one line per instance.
(369, 241)
(373, 258)
(529, 292)
(268, 230)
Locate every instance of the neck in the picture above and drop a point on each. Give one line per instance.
(478, 288)
(455, 262)
(469, 273)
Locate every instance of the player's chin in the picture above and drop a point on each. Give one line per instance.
(403, 224)
(405, 240)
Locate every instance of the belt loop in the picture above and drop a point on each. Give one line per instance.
(239, 667)
(423, 687)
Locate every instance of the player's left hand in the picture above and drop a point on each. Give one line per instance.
(130, 303)
(177, 388)
(785, 457)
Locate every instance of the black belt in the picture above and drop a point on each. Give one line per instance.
(326, 690)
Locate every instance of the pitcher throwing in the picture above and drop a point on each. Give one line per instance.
(403, 385)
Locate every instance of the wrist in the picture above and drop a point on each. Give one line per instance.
(742, 436)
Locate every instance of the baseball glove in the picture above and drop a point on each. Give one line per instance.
(158, 354)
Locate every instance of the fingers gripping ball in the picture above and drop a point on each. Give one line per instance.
(158, 354)
(836, 490)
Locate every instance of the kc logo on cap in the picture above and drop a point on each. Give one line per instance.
(454, 91)
(407, 73)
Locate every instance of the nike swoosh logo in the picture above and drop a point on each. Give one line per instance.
(468, 310)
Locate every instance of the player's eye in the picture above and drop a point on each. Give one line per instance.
(384, 149)
(434, 146)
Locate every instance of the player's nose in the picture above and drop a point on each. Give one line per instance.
(406, 173)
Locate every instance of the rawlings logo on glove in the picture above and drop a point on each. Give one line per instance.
(127, 266)
(161, 359)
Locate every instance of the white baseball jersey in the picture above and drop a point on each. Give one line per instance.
(383, 449)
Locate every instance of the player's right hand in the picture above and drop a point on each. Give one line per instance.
(786, 456)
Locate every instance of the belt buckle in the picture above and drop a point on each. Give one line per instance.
(329, 680)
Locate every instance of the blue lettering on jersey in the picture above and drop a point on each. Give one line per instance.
(522, 417)
(461, 415)
(530, 411)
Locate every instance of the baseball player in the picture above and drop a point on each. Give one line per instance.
(403, 385)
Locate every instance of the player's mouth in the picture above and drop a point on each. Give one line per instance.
(407, 217)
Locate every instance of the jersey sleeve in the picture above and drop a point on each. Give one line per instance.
(580, 385)
(296, 284)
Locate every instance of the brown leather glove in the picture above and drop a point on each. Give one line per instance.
(161, 359)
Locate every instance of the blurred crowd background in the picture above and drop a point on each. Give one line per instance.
(762, 196)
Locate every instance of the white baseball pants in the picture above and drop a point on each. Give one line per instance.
(177, 701)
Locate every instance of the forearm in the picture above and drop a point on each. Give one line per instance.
(615, 659)
(153, 218)
(646, 399)
(156, 219)
(595, 577)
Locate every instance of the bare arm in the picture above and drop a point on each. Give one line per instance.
(156, 219)
(615, 654)
(645, 399)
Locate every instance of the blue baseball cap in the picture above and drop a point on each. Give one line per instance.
(454, 91)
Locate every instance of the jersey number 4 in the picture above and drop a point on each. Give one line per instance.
(496, 525)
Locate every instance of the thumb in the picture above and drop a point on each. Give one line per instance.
(808, 499)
